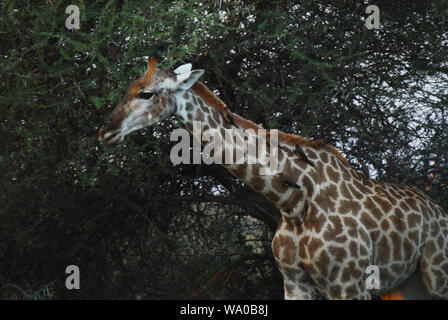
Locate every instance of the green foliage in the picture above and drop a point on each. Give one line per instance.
(137, 226)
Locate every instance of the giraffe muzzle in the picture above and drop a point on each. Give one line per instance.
(109, 137)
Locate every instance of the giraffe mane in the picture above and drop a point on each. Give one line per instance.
(212, 100)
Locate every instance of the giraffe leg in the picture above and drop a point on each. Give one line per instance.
(298, 285)
(434, 267)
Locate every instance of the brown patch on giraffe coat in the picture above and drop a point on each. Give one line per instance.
(363, 250)
(357, 182)
(358, 176)
(258, 183)
(326, 199)
(314, 219)
(332, 174)
(393, 192)
(311, 155)
(385, 225)
(351, 291)
(414, 220)
(444, 224)
(396, 247)
(384, 204)
(216, 117)
(414, 236)
(351, 225)
(189, 126)
(372, 208)
(367, 221)
(404, 206)
(375, 234)
(337, 252)
(334, 230)
(391, 199)
(435, 229)
(195, 99)
(203, 107)
(288, 224)
(356, 272)
(353, 247)
(306, 182)
(412, 203)
(189, 106)
(398, 220)
(349, 206)
(212, 122)
(334, 273)
(313, 245)
(324, 157)
(383, 250)
(334, 163)
(289, 249)
(335, 292)
(409, 193)
(344, 191)
(357, 194)
(441, 241)
(318, 175)
(346, 173)
(199, 115)
(322, 264)
(279, 184)
(430, 249)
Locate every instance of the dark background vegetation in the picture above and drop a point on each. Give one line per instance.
(135, 225)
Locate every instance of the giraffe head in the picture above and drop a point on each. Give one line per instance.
(148, 100)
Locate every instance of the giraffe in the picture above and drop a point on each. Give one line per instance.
(334, 223)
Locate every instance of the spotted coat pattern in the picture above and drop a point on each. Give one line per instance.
(334, 226)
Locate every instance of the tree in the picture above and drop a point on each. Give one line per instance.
(137, 226)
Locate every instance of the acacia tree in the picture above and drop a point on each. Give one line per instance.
(137, 226)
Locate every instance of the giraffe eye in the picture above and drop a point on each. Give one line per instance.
(145, 95)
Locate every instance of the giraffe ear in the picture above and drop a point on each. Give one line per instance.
(183, 69)
(186, 80)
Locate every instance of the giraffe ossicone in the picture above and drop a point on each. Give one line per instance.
(334, 226)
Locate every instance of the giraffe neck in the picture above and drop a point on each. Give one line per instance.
(192, 110)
